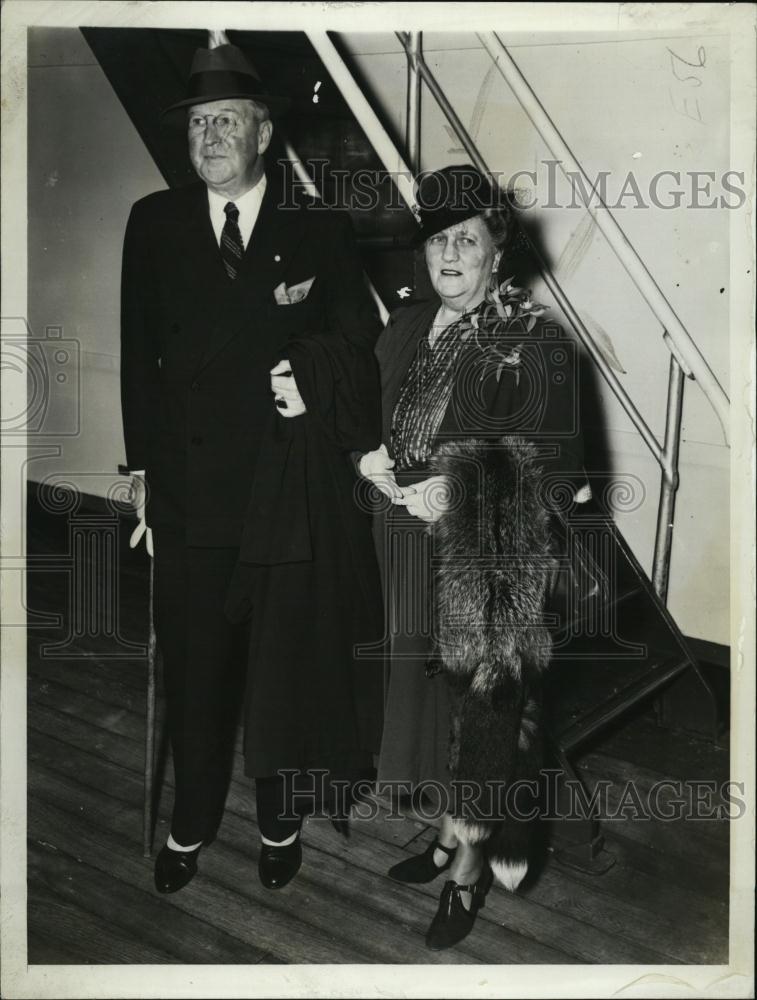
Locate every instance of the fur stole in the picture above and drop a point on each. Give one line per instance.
(492, 561)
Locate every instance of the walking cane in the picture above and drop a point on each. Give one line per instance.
(149, 725)
(152, 648)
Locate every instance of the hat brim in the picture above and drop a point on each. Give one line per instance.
(277, 106)
(444, 221)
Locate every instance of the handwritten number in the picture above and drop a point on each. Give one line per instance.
(675, 58)
(686, 111)
(677, 63)
(702, 55)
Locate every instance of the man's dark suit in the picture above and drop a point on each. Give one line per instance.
(197, 349)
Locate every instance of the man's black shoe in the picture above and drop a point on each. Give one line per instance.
(278, 865)
(174, 869)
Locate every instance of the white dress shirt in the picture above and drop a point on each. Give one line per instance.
(249, 209)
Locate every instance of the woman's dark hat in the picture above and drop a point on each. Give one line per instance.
(225, 72)
(452, 195)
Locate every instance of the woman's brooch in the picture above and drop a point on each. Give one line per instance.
(516, 311)
(514, 303)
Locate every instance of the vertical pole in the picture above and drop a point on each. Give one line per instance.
(150, 725)
(413, 50)
(669, 484)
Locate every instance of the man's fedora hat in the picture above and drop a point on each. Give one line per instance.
(225, 72)
(451, 195)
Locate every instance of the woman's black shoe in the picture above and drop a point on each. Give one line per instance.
(174, 869)
(278, 865)
(452, 921)
(422, 867)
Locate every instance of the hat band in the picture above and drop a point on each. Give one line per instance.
(433, 221)
(224, 83)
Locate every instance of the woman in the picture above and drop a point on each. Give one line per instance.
(460, 376)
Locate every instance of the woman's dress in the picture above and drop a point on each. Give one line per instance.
(484, 378)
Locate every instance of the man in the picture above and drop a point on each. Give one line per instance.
(217, 278)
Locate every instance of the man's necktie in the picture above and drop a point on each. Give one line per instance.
(231, 240)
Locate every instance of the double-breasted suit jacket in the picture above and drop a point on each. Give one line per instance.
(197, 347)
(199, 415)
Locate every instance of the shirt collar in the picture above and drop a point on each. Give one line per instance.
(249, 200)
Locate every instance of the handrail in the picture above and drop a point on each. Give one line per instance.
(667, 454)
(613, 233)
(388, 154)
(415, 59)
(663, 542)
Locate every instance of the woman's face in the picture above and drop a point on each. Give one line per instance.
(460, 261)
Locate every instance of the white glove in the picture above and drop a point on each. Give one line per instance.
(427, 499)
(285, 392)
(377, 466)
(138, 499)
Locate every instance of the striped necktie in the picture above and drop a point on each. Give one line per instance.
(231, 240)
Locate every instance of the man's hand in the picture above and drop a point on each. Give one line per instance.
(285, 392)
(427, 499)
(377, 466)
(138, 499)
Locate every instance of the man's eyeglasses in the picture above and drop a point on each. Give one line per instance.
(224, 124)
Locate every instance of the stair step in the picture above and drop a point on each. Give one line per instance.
(627, 697)
(591, 607)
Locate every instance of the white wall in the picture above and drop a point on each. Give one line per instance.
(620, 105)
(87, 165)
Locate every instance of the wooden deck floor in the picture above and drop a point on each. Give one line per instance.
(91, 898)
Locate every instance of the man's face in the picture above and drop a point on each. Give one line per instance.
(226, 141)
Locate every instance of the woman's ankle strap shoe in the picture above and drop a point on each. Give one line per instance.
(422, 868)
(453, 921)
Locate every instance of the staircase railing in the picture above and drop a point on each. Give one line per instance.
(678, 339)
(685, 360)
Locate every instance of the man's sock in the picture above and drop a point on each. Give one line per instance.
(280, 843)
(171, 843)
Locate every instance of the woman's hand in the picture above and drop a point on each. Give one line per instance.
(377, 466)
(427, 499)
(285, 392)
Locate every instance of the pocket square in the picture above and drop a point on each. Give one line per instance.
(294, 293)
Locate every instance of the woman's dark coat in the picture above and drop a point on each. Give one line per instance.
(511, 407)
(536, 398)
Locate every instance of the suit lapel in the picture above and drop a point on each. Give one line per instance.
(241, 302)
(201, 240)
